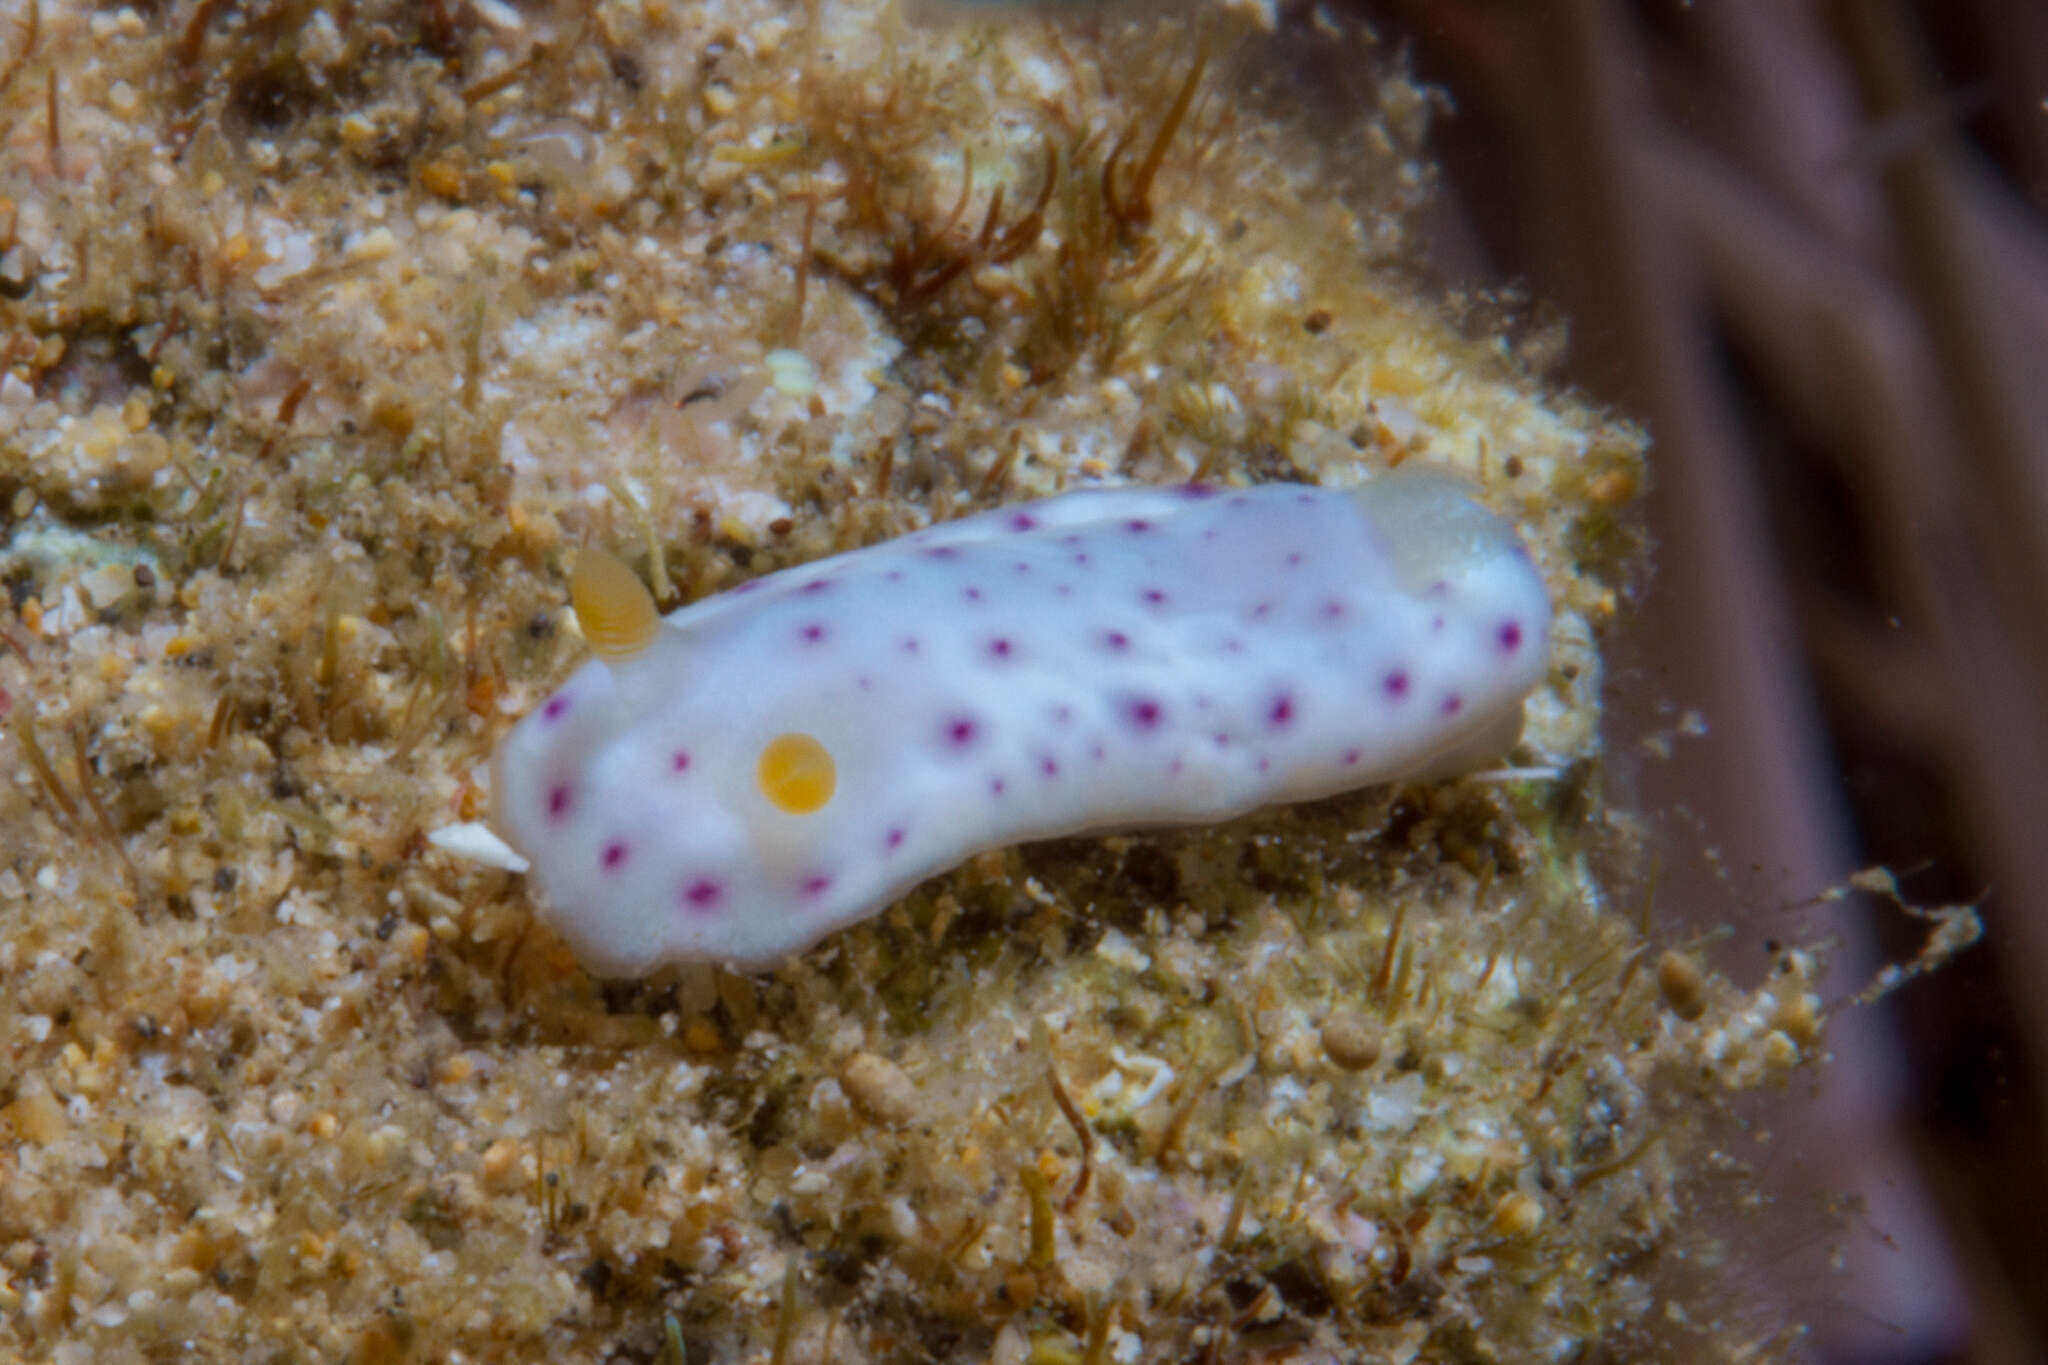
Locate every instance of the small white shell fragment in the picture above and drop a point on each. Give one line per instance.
(789, 757)
(474, 840)
(791, 373)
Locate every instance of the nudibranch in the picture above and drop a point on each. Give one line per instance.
(747, 774)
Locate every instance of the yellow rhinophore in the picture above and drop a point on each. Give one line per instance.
(613, 607)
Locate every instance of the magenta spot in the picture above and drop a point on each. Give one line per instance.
(942, 552)
(1282, 710)
(1333, 609)
(1021, 567)
(960, 731)
(1294, 559)
(1023, 521)
(813, 633)
(1070, 540)
(972, 594)
(558, 802)
(999, 648)
(1063, 714)
(996, 786)
(1154, 597)
(1138, 525)
(556, 708)
(614, 855)
(910, 645)
(1351, 757)
(1080, 556)
(1305, 499)
(894, 575)
(748, 586)
(1233, 646)
(702, 894)
(1098, 753)
(817, 585)
(817, 886)
(679, 761)
(1510, 636)
(1262, 611)
(1063, 590)
(1197, 490)
(1116, 640)
(1222, 741)
(894, 838)
(1175, 768)
(1453, 704)
(1049, 766)
(1145, 713)
(1240, 500)
(1436, 625)
(1438, 588)
(1395, 685)
(1265, 765)
(1210, 534)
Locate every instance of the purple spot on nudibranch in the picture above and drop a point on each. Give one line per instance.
(1138, 525)
(942, 552)
(1436, 624)
(1049, 767)
(1294, 559)
(1097, 752)
(1063, 590)
(1062, 714)
(1080, 557)
(614, 855)
(817, 886)
(1233, 646)
(1175, 768)
(679, 761)
(1510, 636)
(999, 648)
(960, 731)
(813, 633)
(995, 786)
(1154, 597)
(910, 645)
(1395, 685)
(748, 586)
(1262, 611)
(1023, 521)
(894, 575)
(1116, 640)
(817, 585)
(893, 839)
(1021, 567)
(1282, 710)
(702, 894)
(1351, 757)
(1197, 490)
(1333, 609)
(1305, 499)
(864, 683)
(1453, 704)
(558, 801)
(1144, 713)
(972, 594)
(1265, 765)
(555, 709)
(1438, 588)
(1222, 741)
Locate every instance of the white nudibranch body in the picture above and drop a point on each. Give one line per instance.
(736, 780)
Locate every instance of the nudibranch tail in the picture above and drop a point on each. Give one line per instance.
(613, 607)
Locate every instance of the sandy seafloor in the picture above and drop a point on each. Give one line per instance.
(331, 333)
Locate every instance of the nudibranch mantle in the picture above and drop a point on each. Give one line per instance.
(736, 780)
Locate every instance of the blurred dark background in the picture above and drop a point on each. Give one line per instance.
(1805, 242)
